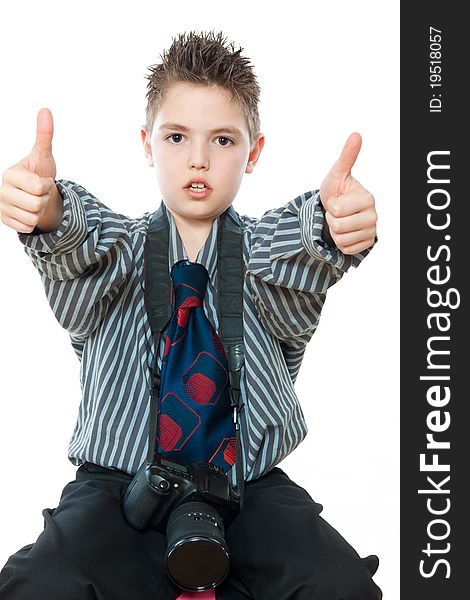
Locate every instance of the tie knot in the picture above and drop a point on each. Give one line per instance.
(189, 283)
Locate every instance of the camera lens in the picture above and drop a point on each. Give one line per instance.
(197, 556)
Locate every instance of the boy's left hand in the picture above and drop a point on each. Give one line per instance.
(349, 207)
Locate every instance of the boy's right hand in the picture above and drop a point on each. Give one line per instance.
(29, 197)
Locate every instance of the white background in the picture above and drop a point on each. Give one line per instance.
(326, 69)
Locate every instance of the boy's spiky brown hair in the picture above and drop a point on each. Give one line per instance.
(205, 58)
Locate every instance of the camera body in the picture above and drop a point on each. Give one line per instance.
(192, 504)
(157, 489)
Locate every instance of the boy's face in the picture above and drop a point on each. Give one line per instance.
(199, 134)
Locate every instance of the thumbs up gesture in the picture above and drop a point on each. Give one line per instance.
(29, 197)
(349, 207)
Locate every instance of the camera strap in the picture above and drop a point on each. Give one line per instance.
(157, 295)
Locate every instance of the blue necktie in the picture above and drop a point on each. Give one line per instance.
(194, 413)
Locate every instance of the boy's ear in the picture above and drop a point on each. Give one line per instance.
(147, 147)
(254, 153)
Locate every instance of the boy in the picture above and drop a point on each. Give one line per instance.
(202, 131)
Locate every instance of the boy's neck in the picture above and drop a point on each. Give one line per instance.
(193, 234)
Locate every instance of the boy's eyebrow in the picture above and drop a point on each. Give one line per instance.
(227, 129)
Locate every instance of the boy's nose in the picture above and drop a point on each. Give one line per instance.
(199, 157)
(198, 163)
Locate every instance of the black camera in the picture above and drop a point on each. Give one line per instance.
(193, 505)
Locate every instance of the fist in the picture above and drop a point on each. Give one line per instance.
(27, 186)
(349, 208)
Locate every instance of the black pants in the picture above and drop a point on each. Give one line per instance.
(280, 548)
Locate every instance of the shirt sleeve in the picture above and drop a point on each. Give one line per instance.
(291, 268)
(84, 264)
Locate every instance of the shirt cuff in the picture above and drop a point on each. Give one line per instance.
(71, 232)
(312, 221)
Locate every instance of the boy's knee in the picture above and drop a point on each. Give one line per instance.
(346, 582)
(44, 570)
(26, 576)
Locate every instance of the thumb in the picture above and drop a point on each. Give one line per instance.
(44, 133)
(342, 167)
(40, 160)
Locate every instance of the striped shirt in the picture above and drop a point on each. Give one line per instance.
(92, 272)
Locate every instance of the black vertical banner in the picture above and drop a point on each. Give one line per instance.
(435, 243)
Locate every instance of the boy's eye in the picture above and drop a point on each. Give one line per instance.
(224, 141)
(227, 140)
(173, 135)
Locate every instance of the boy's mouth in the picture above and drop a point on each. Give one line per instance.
(197, 182)
(198, 188)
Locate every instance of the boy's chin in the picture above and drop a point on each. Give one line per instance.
(196, 207)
